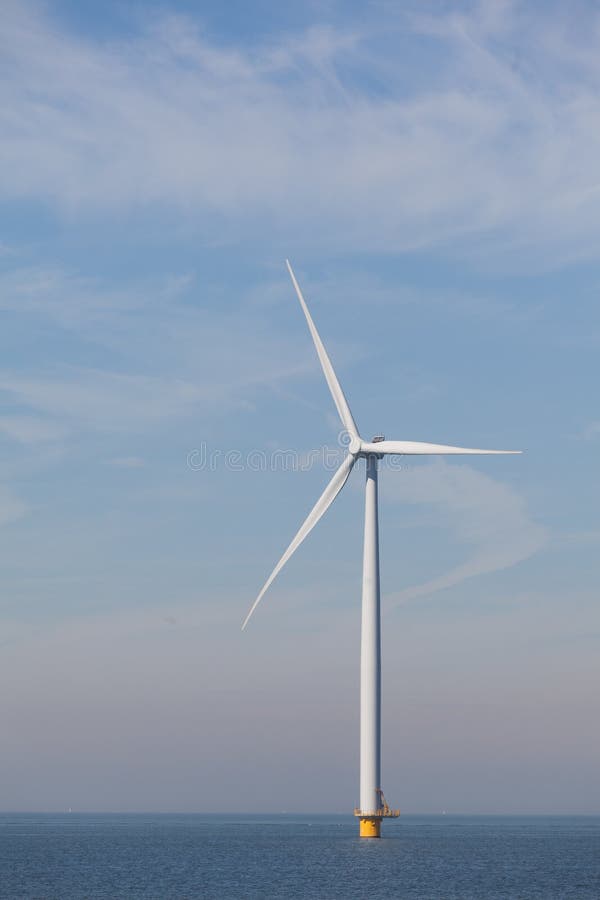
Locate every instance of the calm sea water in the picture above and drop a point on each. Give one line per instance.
(229, 857)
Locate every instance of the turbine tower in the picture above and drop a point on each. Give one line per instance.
(373, 806)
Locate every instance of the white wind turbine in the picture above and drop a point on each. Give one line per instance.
(372, 803)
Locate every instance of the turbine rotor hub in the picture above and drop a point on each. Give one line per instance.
(354, 445)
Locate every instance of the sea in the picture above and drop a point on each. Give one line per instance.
(217, 857)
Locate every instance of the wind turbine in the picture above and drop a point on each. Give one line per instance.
(373, 806)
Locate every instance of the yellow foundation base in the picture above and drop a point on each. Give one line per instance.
(370, 827)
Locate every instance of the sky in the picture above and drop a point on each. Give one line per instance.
(431, 170)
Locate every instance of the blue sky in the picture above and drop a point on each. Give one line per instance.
(432, 172)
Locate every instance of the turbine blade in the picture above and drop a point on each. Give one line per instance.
(334, 385)
(412, 448)
(319, 509)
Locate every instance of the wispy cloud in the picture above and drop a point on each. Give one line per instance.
(479, 511)
(30, 429)
(127, 462)
(11, 507)
(331, 128)
(101, 400)
(67, 298)
(160, 358)
(591, 430)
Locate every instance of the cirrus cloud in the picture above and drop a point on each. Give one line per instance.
(331, 128)
(482, 513)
